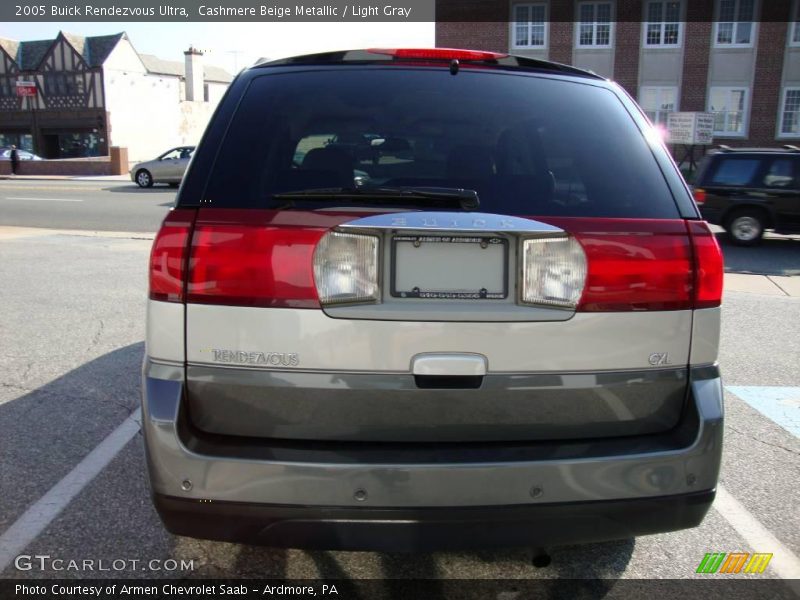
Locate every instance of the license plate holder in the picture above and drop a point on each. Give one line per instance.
(449, 267)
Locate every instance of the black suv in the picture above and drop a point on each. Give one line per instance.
(749, 190)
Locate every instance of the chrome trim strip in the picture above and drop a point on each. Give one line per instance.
(452, 221)
(489, 372)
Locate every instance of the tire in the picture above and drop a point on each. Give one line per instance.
(144, 179)
(745, 227)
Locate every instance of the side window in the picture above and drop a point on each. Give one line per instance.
(172, 154)
(781, 174)
(735, 171)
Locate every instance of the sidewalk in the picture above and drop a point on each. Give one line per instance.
(67, 177)
(771, 285)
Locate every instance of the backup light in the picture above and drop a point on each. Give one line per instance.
(553, 271)
(346, 268)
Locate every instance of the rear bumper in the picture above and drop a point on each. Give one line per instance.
(351, 495)
(429, 529)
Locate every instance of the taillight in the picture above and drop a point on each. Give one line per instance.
(633, 264)
(168, 256)
(553, 271)
(708, 265)
(699, 196)
(253, 264)
(439, 53)
(346, 268)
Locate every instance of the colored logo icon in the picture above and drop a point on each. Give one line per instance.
(735, 562)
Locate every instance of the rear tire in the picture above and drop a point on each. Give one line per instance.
(745, 227)
(144, 179)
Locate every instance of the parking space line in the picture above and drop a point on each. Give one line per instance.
(34, 520)
(784, 563)
(46, 199)
(780, 404)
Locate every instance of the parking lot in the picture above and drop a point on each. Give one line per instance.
(74, 259)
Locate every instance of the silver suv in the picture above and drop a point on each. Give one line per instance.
(430, 299)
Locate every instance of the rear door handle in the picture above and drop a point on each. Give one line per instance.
(449, 364)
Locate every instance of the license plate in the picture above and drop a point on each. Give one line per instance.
(450, 267)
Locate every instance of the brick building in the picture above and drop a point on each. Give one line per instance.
(739, 59)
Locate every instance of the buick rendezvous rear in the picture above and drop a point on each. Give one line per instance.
(431, 299)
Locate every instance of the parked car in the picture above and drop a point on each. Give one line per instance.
(167, 168)
(504, 334)
(750, 190)
(5, 154)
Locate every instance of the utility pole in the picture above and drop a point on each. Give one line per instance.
(28, 90)
(236, 54)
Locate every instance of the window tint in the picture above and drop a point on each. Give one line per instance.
(780, 173)
(172, 154)
(528, 145)
(735, 171)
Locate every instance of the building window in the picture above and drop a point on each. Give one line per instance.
(734, 26)
(529, 26)
(794, 39)
(63, 84)
(663, 26)
(658, 102)
(790, 113)
(729, 106)
(594, 24)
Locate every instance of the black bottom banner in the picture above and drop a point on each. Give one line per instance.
(391, 589)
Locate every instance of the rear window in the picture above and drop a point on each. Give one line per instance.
(527, 145)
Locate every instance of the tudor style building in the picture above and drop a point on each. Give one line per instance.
(95, 92)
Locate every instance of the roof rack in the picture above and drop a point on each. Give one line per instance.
(784, 148)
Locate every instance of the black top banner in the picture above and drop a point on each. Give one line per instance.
(338, 10)
(216, 10)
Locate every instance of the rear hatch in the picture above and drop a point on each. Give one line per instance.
(402, 254)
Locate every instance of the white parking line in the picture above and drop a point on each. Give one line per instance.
(34, 520)
(784, 562)
(47, 199)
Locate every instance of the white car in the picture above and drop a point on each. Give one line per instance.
(5, 154)
(167, 168)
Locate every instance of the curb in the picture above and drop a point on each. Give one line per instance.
(65, 178)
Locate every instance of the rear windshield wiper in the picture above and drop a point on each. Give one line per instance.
(441, 197)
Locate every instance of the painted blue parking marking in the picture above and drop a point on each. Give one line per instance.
(780, 404)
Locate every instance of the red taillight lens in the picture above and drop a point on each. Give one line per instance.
(168, 256)
(699, 195)
(633, 264)
(253, 264)
(439, 53)
(709, 267)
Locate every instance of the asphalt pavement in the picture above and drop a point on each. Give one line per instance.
(106, 205)
(71, 344)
